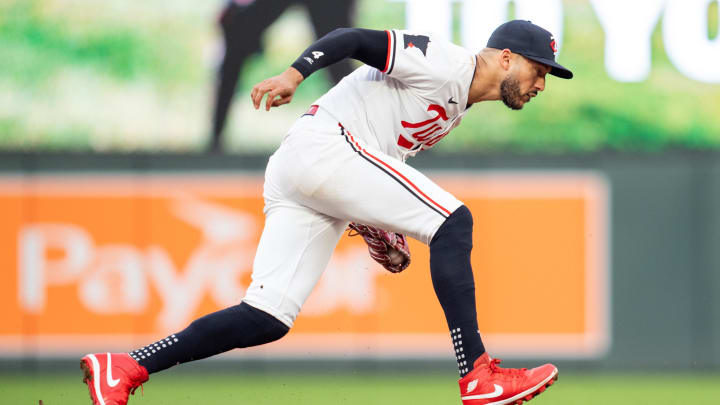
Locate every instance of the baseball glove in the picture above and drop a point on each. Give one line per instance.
(390, 249)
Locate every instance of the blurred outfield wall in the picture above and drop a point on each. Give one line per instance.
(111, 251)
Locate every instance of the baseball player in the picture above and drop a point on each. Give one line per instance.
(342, 163)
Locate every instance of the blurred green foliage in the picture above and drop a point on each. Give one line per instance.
(63, 61)
(37, 46)
(37, 42)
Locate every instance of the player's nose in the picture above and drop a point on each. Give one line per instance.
(540, 84)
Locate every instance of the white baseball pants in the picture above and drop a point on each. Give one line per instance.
(321, 178)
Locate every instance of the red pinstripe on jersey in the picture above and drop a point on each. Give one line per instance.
(389, 51)
(390, 59)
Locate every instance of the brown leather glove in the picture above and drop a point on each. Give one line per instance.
(390, 249)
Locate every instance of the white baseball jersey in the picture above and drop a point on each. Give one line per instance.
(411, 104)
(344, 161)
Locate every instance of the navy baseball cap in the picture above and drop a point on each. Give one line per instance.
(530, 41)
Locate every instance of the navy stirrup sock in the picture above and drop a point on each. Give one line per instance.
(454, 285)
(234, 327)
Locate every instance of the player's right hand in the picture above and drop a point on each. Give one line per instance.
(280, 89)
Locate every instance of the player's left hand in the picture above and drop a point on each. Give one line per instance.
(282, 86)
(390, 249)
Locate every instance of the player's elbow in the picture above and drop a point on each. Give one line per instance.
(341, 32)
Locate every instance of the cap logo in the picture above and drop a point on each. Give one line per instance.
(553, 45)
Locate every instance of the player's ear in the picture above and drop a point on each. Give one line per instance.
(505, 58)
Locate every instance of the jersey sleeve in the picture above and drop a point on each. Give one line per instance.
(418, 60)
(367, 46)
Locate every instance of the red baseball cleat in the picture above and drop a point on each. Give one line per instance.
(488, 384)
(112, 377)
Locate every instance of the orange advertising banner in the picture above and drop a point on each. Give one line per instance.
(113, 262)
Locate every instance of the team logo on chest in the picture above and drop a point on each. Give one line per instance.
(426, 133)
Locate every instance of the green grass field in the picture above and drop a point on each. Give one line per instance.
(348, 388)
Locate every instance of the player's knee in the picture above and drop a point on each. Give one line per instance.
(456, 231)
(240, 326)
(272, 328)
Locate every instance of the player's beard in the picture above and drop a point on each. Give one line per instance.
(510, 93)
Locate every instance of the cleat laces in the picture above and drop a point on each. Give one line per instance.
(514, 372)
